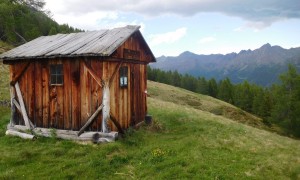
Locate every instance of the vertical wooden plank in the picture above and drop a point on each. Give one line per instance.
(143, 92)
(31, 92)
(75, 72)
(93, 94)
(124, 107)
(105, 77)
(23, 87)
(143, 97)
(132, 95)
(53, 107)
(96, 92)
(13, 73)
(116, 98)
(83, 94)
(38, 95)
(135, 95)
(14, 112)
(110, 70)
(138, 92)
(146, 88)
(14, 115)
(138, 47)
(88, 96)
(60, 107)
(22, 107)
(113, 91)
(128, 98)
(100, 94)
(135, 44)
(67, 104)
(27, 91)
(45, 92)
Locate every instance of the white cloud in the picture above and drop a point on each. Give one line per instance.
(112, 24)
(239, 29)
(264, 12)
(207, 40)
(169, 37)
(255, 26)
(88, 21)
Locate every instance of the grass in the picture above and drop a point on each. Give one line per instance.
(183, 142)
(205, 103)
(4, 82)
(4, 74)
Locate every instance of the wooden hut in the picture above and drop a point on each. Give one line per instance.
(81, 83)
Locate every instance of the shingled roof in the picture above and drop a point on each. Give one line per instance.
(93, 43)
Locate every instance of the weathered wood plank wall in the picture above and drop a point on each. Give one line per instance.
(69, 106)
(38, 110)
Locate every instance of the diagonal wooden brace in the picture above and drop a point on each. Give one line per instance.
(27, 121)
(92, 73)
(90, 120)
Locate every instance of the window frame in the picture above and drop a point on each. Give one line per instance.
(123, 80)
(56, 72)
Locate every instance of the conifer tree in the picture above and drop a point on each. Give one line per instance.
(225, 91)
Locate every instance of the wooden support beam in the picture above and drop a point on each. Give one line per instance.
(89, 135)
(17, 105)
(13, 108)
(92, 73)
(17, 77)
(15, 102)
(117, 124)
(96, 137)
(12, 132)
(90, 120)
(114, 74)
(27, 121)
(106, 107)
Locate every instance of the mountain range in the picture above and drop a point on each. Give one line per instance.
(261, 66)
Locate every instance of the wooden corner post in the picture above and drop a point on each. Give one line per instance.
(13, 119)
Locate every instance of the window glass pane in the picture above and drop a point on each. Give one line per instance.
(59, 79)
(121, 72)
(53, 79)
(125, 81)
(125, 71)
(52, 69)
(123, 76)
(59, 69)
(121, 81)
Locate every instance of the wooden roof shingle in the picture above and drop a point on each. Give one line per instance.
(93, 43)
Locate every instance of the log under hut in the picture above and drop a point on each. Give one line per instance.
(87, 85)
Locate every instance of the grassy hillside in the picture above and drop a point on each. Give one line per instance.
(205, 103)
(4, 74)
(185, 141)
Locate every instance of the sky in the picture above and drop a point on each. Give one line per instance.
(171, 27)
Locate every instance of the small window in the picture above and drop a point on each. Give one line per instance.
(56, 73)
(124, 76)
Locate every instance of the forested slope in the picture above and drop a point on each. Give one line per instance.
(278, 105)
(24, 20)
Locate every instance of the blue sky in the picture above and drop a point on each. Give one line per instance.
(171, 27)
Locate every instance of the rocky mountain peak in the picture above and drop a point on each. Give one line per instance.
(261, 66)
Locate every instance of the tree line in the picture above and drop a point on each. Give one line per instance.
(278, 104)
(24, 20)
